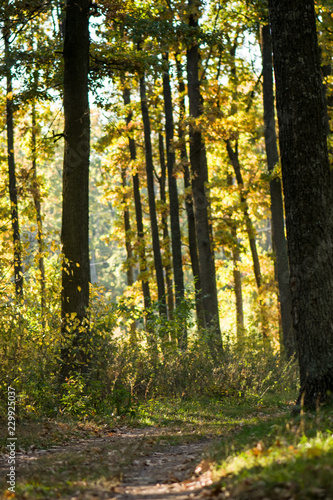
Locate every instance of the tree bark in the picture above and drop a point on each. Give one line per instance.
(128, 246)
(278, 233)
(151, 200)
(307, 193)
(233, 156)
(237, 277)
(127, 227)
(200, 197)
(173, 197)
(165, 230)
(237, 288)
(138, 211)
(35, 191)
(75, 215)
(173, 190)
(18, 269)
(192, 240)
(251, 233)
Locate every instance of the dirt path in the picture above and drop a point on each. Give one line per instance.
(175, 473)
(121, 464)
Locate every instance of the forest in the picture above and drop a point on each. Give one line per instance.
(166, 249)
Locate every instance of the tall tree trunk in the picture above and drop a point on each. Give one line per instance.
(165, 230)
(18, 271)
(237, 287)
(151, 200)
(307, 193)
(75, 214)
(233, 156)
(128, 246)
(138, 211)
(251, 233)
(93, 263)
(237, 277)
(200, 196)
(192, 240)
(173, 197)
(127, 227)
(35, 191)
(280, 242)
(173, 190)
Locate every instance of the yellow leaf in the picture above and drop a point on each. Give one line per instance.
(79, 288)
(77, 264)
(9, 494)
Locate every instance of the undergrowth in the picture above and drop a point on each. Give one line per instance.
(127, 369)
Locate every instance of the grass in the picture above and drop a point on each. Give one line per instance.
(85, 459)
(281, 457)
(260, 451)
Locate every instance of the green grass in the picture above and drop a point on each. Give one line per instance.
(281, 457)
(259, 450)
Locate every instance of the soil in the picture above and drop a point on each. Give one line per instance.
(176, 472)
(137, 464)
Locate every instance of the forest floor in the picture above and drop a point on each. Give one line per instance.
(176, 450)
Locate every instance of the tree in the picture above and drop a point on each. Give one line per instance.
(151, 199)
(234, 159)
(237, 275)
(127, 228)
(199, 169)
(173, 194)
(35, 191)
(251, 233)
(278, 233)
(75, 217)
(138, 207)
(165, 228)
(233, 155)
(306, 184)
(18, 271)
(192, 240)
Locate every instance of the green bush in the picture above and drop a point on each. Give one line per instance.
(126, 365)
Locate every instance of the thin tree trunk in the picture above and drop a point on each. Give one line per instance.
(278, 233)
(200, 198)
(93, 263)
(192, 240)
(237, 278)
(75, 214)
(233, 156)
(251, 233)
(128, 246)
(127, 227)
(173, 191)
(138, 212)
(165, 230)
(237, 288)
(151, 200)
(18, 270)
(307, 193)
(35, 191)
(173, 198)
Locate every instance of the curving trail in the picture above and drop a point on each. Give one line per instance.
(151, 463)
(173, 473)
